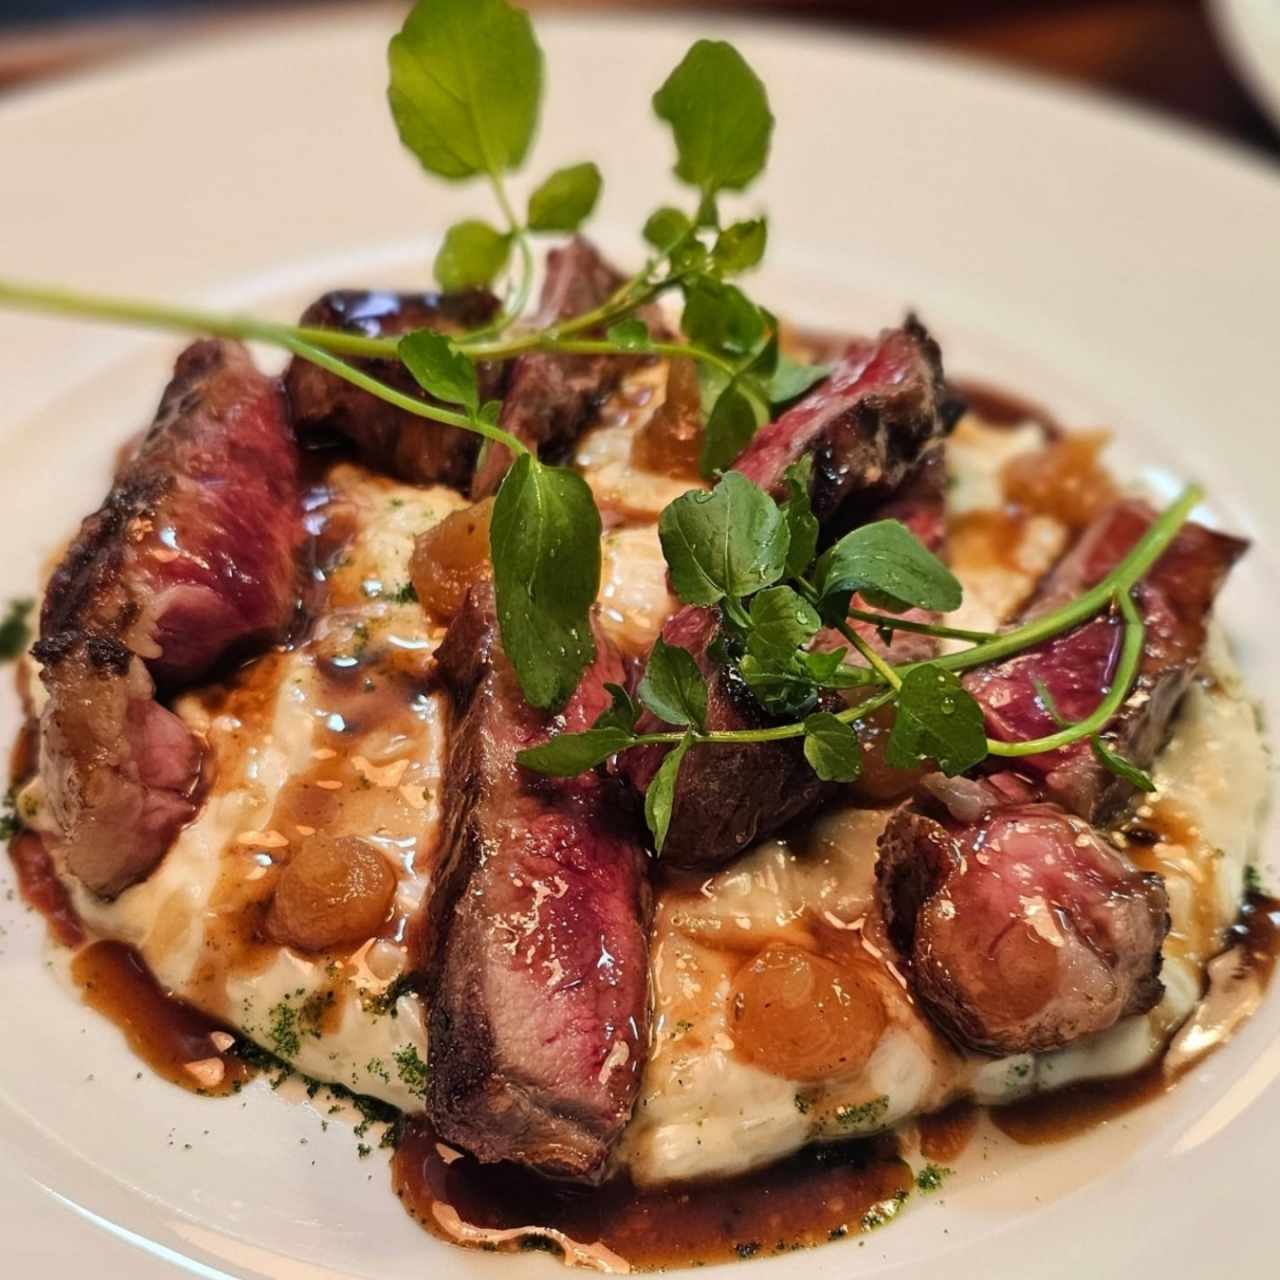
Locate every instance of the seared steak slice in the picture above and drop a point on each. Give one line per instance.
(189, 560)
(727, 798)
(551, 398)
(1024, 929)
(391, 439)
(537, 935)
(868, 429)
(865, 427)
(1077, 667)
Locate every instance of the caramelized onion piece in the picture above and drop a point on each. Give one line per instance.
(450, 557)
(669, 443)
(803, 1017)
(1065, 479)
(335, 892)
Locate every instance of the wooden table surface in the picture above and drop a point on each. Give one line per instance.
(1160, 52)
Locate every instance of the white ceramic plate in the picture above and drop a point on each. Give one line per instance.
(1119, 271)
(1250, 29)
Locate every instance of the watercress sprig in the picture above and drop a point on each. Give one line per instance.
(731, 549)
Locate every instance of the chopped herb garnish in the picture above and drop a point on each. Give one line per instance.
(865, 1115)
(15, 630)
(282, 1029)
(411, 1069)
(931, 1177)
(883, 1212)
(10, 819)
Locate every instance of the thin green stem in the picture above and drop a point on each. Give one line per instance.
(603, 347)
(297, 341)
(519, 300)
(1126, 671)
(890, 623)
(1149, 548)
(864, 647)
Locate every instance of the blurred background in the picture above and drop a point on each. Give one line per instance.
(1168, 54)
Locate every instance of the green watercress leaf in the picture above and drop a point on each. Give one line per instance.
(440, 369)
(791, 380)
(782, 688)
(631, 334)
(728, 429)
(622, 712)
(890, 566)
(569, 754)
(721, 317)
(740, 247)
(832, 748)
(730, 541)
(566, 199)
(665, 227)
(544, 539)
(781, 622)
(937, 719)
(826, 668)
(719, 112)
(466, 82)
(1122, 768)
(673, 687)
(660, 796)
(797, 510)
(15, 630)
(472, 255)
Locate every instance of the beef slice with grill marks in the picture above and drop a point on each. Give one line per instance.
(537, 932)
(1021, 927)
(868, 428)
(1174, 600)
(551, 398)
(392, 439)
(188, 562)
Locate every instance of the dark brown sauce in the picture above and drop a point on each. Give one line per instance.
(1066, 1113)
(1003, 408)
(945, 1134)
(820, 1194)
(166, 1033)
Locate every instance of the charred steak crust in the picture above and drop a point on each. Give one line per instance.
(1174, 599)
(391, 439)
(1023, 930)
(865, 427)
(869, 428)
(551, 398)
(535, 950)
(189, 560)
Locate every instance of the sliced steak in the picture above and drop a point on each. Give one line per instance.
(868, 429)
(551, 398)
(727, 798)
(1023, 929)
(537, 935)
(189, 560)
(1077, 667)
(391, 439)
(865, 427)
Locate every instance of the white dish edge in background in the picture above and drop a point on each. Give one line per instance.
(1090, 258)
